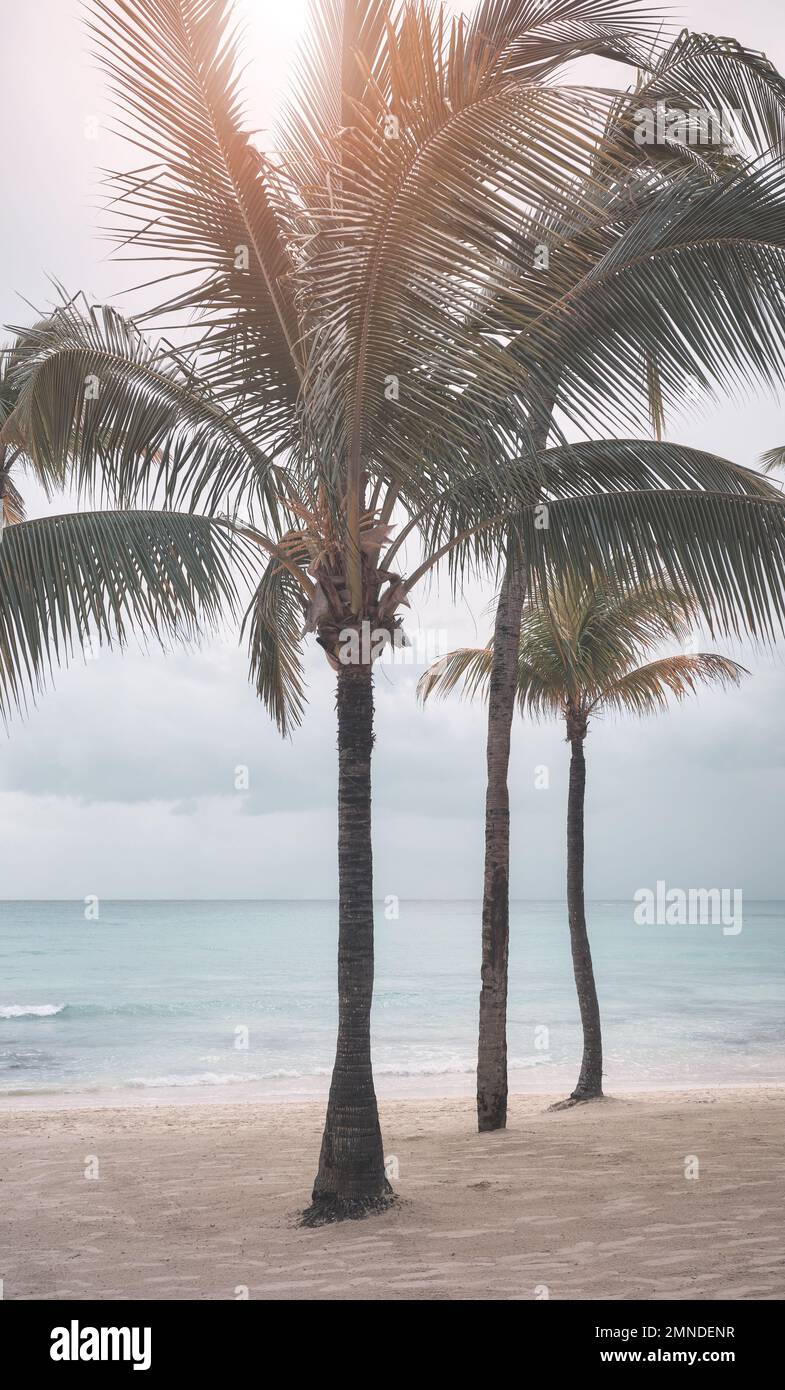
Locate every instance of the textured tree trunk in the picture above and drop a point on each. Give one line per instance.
(590, 1080)
(351, 1179)
(492, 1048)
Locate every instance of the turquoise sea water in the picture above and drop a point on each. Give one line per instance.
(158, 996)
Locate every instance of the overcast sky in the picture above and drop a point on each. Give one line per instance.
(122, 781)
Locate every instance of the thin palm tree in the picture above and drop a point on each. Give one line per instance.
(579, 655)
(343, 382)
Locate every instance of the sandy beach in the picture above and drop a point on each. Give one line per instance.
(200, 1202)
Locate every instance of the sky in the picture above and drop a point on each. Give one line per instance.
(122, 782)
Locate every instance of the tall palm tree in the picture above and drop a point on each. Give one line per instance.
(579, 654)
(645, 302)
(350, 372)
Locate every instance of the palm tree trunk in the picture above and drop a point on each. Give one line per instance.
(492, 1048)
(492, 1045)
(590, 1080)
(351, 1178)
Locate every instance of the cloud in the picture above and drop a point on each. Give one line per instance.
(125, 775)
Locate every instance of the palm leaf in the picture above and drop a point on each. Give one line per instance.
(701, 70)
(773, 459)
(531, 41)
(470, 665)
(67, 580)
(97, 401)
(274, 628)
(646, 690)
(209, 195)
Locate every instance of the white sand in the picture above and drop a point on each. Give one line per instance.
(196, 1201)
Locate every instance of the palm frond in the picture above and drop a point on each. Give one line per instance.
(206, 198)
(773, 459)
(645, 690)
(705, 71)
(638, 512)
(687, 275)
(725, 549)
(96, 576)
(528, 40)
(273, 625)
(473, 518)
(98, 402)
(470, 665)
(344, 49)
(12, 506)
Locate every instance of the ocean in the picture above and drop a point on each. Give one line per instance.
(228, 1000)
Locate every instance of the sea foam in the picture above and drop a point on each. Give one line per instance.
(31, 1010)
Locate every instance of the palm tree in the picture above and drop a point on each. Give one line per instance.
(342, 383)
(579, 654)
(645, 301)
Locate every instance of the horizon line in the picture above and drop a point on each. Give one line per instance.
(602, 898)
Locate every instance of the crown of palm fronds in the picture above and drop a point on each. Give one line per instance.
(581, 652)
(363, 332)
